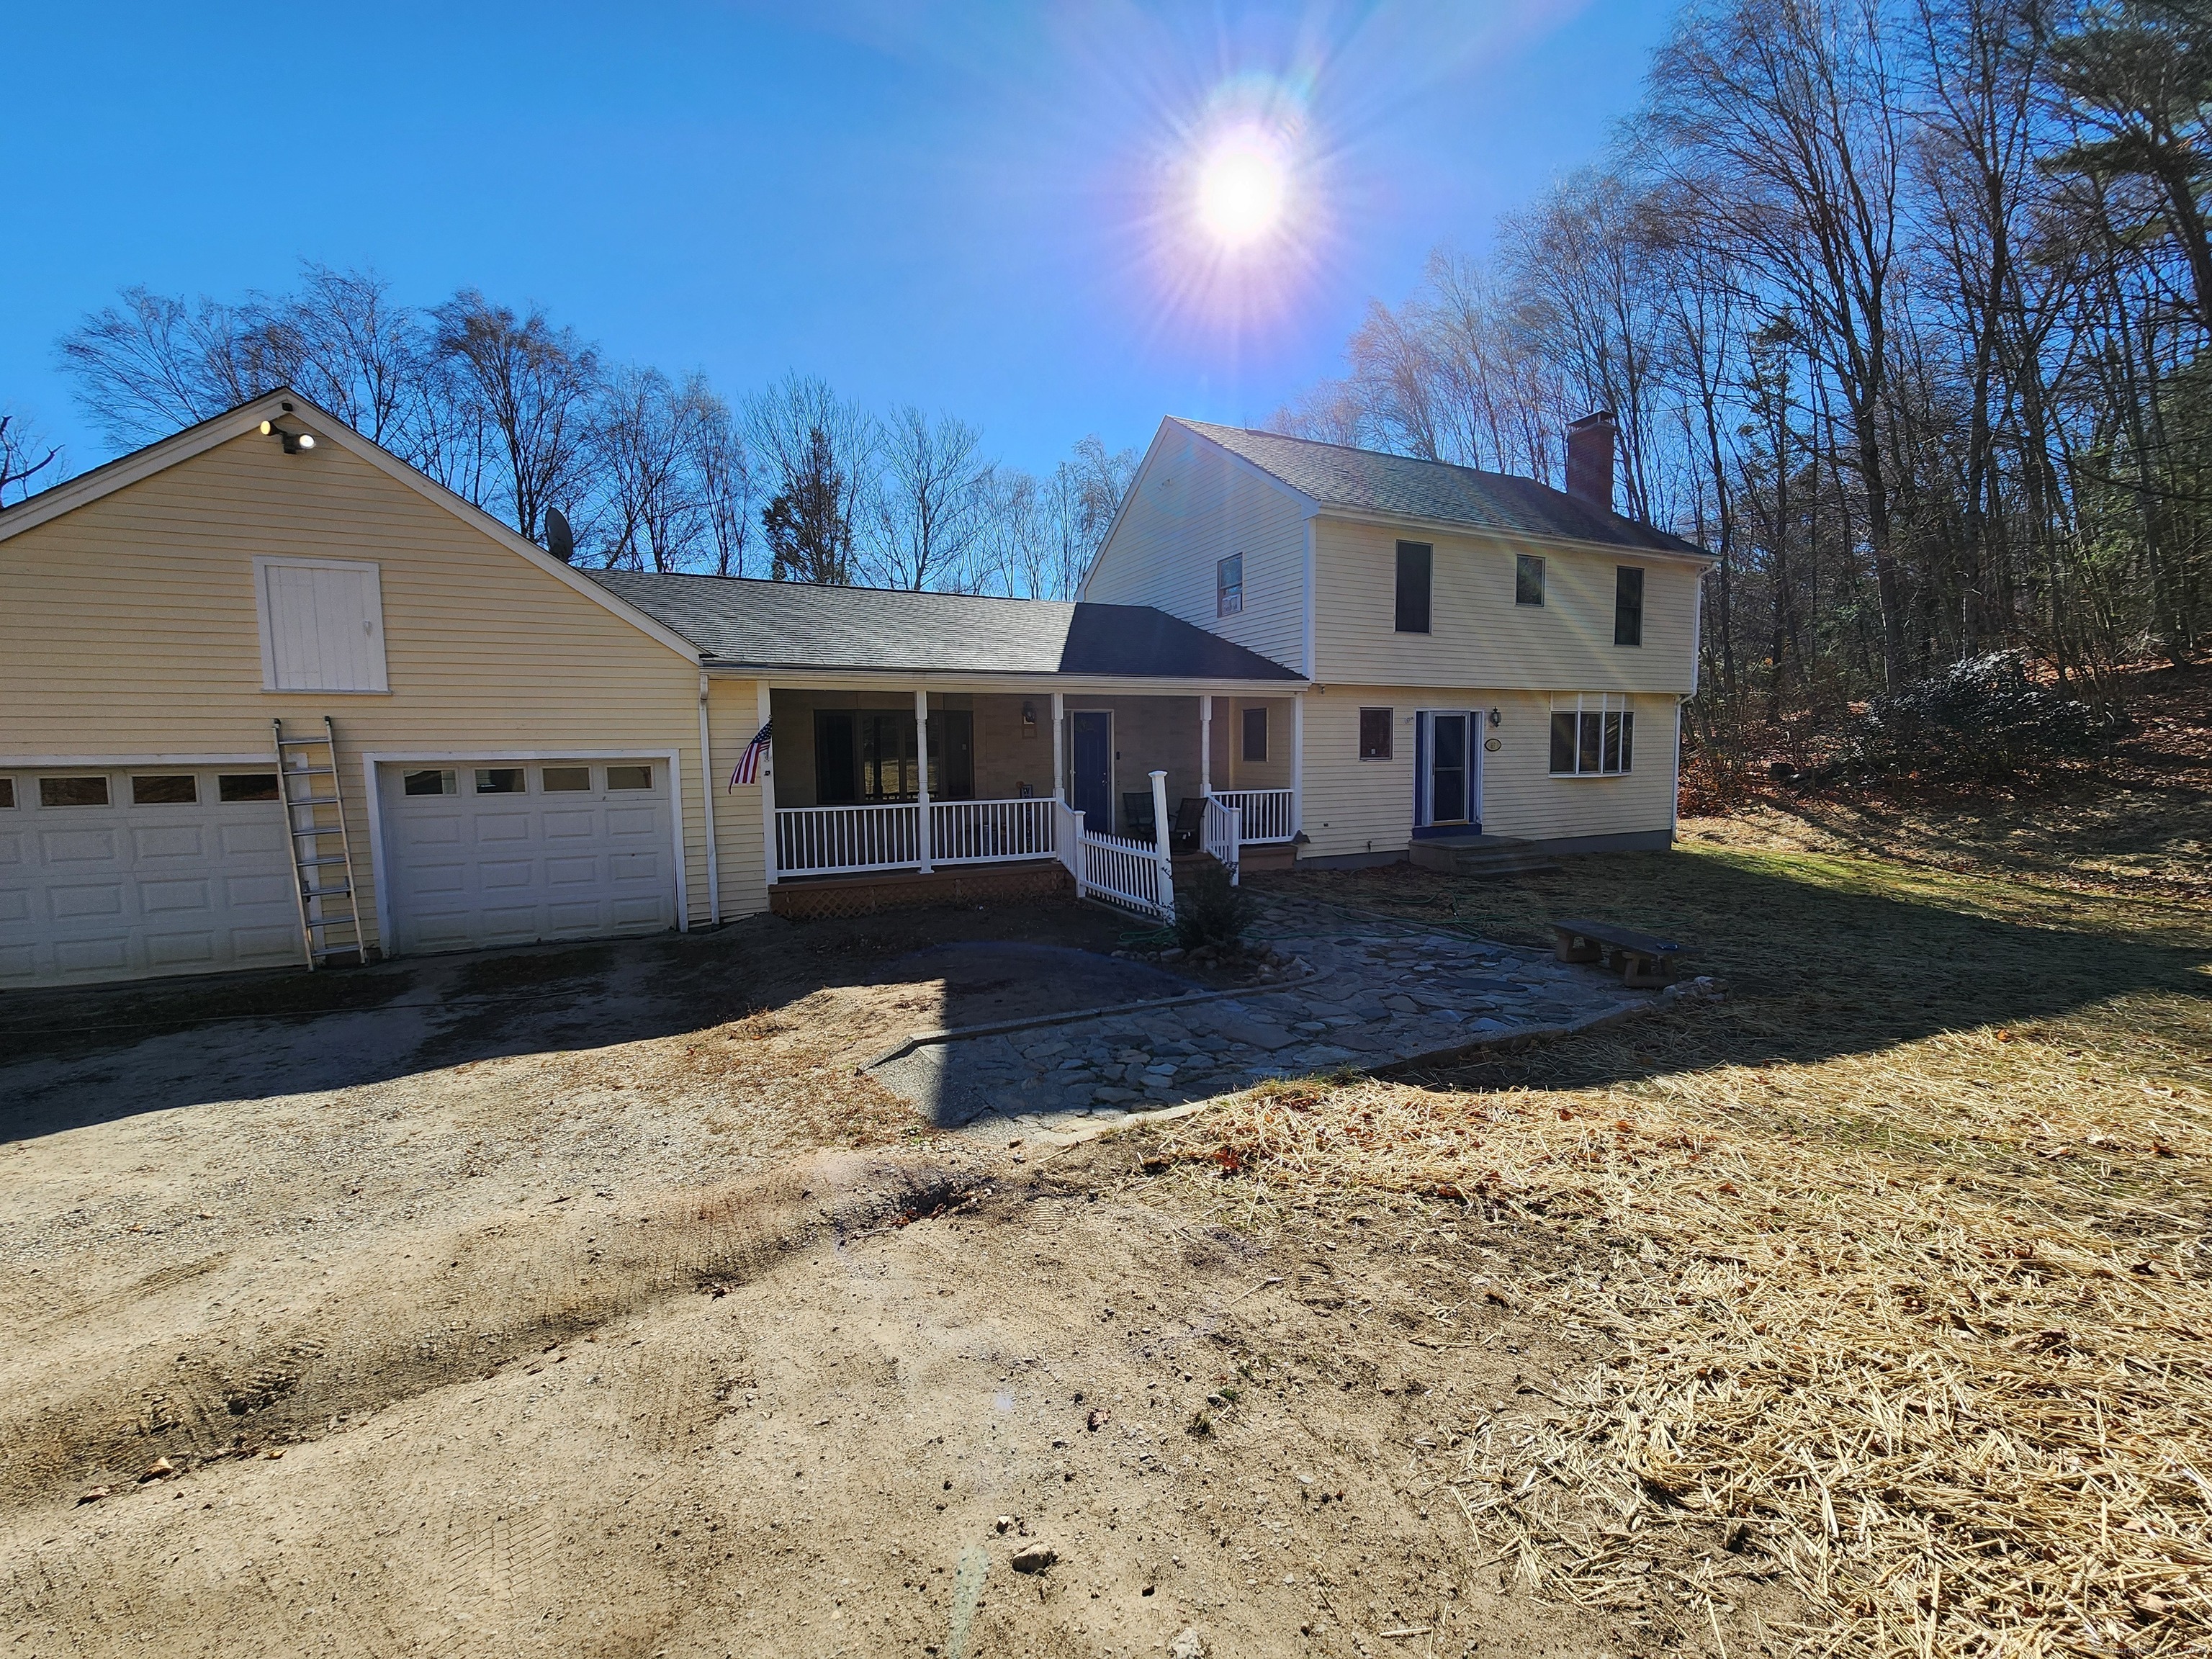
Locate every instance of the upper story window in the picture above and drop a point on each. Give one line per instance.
(322, 625)
(1628, 605)
(1228, 586)
(1255, 734)
(1414, 560)
(1528, 579)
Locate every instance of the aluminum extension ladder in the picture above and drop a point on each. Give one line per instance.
(330, 912)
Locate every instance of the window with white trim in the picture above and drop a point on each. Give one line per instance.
(322, 625)
(1228, 586)
(1593, 735)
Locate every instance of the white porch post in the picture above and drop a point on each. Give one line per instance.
(707, 778)
(1297, 762)
(1206, 745)
(921, 753)
(1160, 841)
(767, 788)
(1059, 763)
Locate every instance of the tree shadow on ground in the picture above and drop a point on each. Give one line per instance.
(73, 1058)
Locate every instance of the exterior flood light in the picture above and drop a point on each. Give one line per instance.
(294, 442)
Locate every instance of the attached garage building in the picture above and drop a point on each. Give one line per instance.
(518, 749)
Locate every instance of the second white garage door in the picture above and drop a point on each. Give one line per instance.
(512, 851)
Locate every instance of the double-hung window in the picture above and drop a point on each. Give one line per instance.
(1628, 605)
(1415, 563)
(1228, 586)
(1593, 734)
(1528, 579)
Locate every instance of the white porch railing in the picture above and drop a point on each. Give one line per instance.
(984, 831)
(1267, 812)
(1224, 835)
(1129, 872)
(821, 840)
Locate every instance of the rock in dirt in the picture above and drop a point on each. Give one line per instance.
(161, 1469)
(1187, 1644)
(1034, 1558)
(1097, 1418)
(92, 1495)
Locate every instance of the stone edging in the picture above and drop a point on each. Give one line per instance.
(964, 1033)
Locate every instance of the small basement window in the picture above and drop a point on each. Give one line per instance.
(1255, 734)
(564, 780)
(1593, 735)
(629, 777)
(429, 783)
(1628, 605)
(167, 789)
(1375, 733)
(498, 781)
(247, 786)
(73, 792)
(1228, 586)
(1528, 579)
(1415, 560)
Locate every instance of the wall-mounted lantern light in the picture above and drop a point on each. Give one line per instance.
(1496, 718)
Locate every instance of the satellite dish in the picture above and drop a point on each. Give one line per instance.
(560, 540)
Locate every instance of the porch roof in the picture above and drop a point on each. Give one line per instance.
(742, 622)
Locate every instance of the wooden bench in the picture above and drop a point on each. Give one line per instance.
(1643, 960)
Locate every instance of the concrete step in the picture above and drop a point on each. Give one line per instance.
(1480, 856)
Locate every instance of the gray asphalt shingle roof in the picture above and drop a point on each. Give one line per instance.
(1335, 475)
(768, 625)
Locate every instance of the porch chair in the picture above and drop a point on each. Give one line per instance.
(1138, 822)
(1189, 826)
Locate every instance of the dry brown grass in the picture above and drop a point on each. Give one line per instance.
(1899, 1255)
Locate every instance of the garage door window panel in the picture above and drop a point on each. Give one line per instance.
(322, 625)
(629, 777)
(73, 792)
(429, 783)
(165, 789)
(499, 780)
(7, 794)
(247, 786)
(565, 780)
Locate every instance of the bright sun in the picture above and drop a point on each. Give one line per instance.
(1242, 184)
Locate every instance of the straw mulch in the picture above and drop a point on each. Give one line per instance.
(1942, 1363)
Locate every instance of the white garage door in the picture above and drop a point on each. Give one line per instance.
(510, 852)
(122, 873)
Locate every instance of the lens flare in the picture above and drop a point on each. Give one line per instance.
(1241, 187)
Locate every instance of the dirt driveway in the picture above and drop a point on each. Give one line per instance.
(512, 1303)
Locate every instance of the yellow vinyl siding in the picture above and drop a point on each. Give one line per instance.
(733, 716)
(128, 626)
(1477, 635)
(1192, 506)
(1356, 806)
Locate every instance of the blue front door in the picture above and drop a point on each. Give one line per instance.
(1091, 780)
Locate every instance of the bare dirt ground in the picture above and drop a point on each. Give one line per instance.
(510, 1302)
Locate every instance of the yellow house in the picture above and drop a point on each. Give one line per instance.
(1490, 662)
(268, 695)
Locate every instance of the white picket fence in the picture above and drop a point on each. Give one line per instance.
(1224, 835)
(1129, 872)
(832, 841)
(1266, 813)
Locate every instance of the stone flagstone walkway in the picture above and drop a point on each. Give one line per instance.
(1380, 992)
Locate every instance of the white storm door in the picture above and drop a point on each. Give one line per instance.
(486, 852)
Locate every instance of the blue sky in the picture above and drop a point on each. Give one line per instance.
(973, 208)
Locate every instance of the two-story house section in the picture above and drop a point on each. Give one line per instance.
(1486, 655)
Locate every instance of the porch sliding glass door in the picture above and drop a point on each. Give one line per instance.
(868, 755)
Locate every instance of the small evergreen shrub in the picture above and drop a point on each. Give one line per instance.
(1210, 912)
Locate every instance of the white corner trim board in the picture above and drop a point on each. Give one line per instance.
(379, 866)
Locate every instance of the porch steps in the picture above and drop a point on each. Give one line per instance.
(1480, 856)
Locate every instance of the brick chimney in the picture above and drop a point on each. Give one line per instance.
(1590, 459)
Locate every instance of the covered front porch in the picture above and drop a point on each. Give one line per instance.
(907, 779)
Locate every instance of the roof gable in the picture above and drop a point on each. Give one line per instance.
(1337, 476)
(284, 403)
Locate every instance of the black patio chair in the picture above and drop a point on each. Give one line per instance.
(1138, 822)
(1189, 826)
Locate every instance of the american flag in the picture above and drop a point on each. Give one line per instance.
(749, 763)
